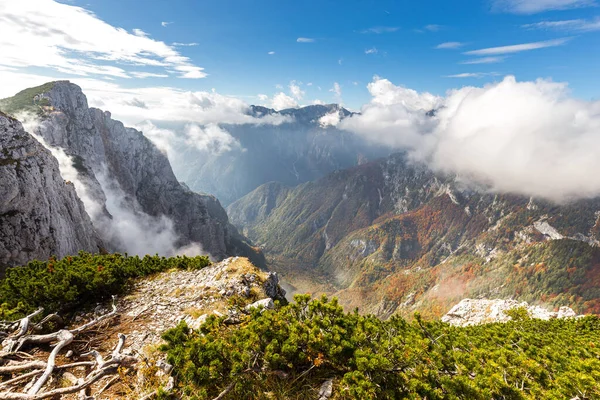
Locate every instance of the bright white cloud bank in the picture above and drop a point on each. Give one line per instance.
(72, 40)
(529, 138)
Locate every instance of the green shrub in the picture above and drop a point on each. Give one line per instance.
(63, 285)
(290, 351)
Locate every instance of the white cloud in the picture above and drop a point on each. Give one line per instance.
(271, 53)
(472, 75)
(317, 102)
(529, 138)
(331, 119)
(536, 6)
(340, 61)
(450, 45)
(372, 50)
(142, 75)
(163, 104)
(262, 97)
(484, 60)
(139, 32)
(295, 90)
(210, 138)
(165, 24)
(281, 101)
(433, 27)
(337, 92)
(72, 40)
(395, 116)
(179, 44)
(380, 29)
(309, 84)
(305, 40)
(279, 86)
(162, 138)
(518, 47)
(579, 25)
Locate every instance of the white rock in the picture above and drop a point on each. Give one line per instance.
(264, 303)
(482, 311)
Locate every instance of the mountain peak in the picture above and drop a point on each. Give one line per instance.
(305, 114)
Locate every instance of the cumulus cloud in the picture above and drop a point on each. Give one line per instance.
(295, 90)
(396, 116)
(281, 101)
(331, 119)
(536, 6)
(210, 138)
(517, 48)
(529, 138)
(70, 39)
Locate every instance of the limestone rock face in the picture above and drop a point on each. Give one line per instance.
(482, 311)
(161, 302)
(109, 154)
(40, 213)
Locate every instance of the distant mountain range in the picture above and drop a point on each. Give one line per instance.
(306, 147)
(391, 236)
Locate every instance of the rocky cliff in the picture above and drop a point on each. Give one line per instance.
(40, 213)
(121, 171)
(392, 236)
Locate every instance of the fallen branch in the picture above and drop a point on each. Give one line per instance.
(101, 367)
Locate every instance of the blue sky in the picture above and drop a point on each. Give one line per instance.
(514, 81)
(234, 38)
(349, 43)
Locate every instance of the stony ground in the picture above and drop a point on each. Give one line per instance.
(160, 302)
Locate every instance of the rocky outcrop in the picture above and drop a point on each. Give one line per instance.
(110, 156)
(161, 302)
(40, 213)
(483, 311)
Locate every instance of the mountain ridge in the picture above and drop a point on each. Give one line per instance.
(391, 236)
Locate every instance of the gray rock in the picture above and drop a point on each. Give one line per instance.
(40, 213)
(107, 150)
(326, 390)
